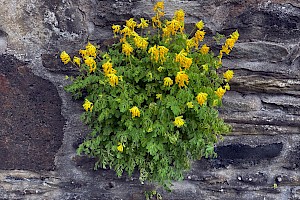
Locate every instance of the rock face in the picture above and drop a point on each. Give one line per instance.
(40, 126)
(30, 121)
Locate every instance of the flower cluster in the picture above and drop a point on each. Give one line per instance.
(179, 122)
(229, 44)
(158, 53)
(151, 100)
(65, 58)
(135, 112)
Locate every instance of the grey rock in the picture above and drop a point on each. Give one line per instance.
(235, 101)
(259, 52)
(262, 106)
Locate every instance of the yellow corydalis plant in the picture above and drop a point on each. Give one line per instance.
(88, 106)
(228, 75)
(131, 24)
(65, 58)
(184, 61)
(113, 79)
(158, 53)
(140, 42)
(144, 23)
(91, 50)
(127, 49)
(77, 60)
(179, 121)
(89, 61)
(168, 81)
(190, 104)
(204, 49)
(201, 98)
(108, 68)
(182, 79)
(135, 112)
(152, 92)
(220, 92)
(120, 147)
(229, 44)
(159, 12)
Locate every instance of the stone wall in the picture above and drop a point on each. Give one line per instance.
(40, 126)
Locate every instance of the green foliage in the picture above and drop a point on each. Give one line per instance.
(140, 122)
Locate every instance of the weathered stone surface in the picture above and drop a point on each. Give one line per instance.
(259, 51)
(266, 84)
(242, 152)
(30, 120)
(3, 41)
(235, 101)
(262, 106)
(53, 64)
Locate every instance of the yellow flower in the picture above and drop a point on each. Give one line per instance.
(159, 96)
(205, 67)
(199, 35)
(91, 50)
(83, 53)
(166, 32)
(190, 104)
(190, 43)
(200, 25)
(140, 42)
(227, 87)
(127, 49)
(150, 76)
(220, 92)
(215, 102)
(154, 53)
(180, 57)
(179, 15)
(159, 6)
(182, 79)
(235, 35)
(179, 122)
(183, 60)
(158, 53)
(201, 98)
(123, 39)
(135, 112)
(131, 23)
(168, 81)
(87, 105)
(228, 75)
(76, 60)
(126, 31)
(156, 21)
(120, 147)
(116, 28)
(143, 24)
(173, 26)
(89, 61)
(160, 69)
(108, 69)
(225, 49)
(230, 43)
(204, 49)
(106, 56)
(65, 58)
(113, 79)
(162, 53)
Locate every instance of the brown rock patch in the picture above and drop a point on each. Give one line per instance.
(31, 125)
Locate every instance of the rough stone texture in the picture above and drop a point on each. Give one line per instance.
(262, 107)
(30, 120)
